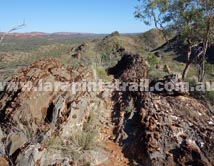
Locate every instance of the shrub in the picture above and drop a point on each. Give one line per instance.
(209, 68)
(203, 95)
(86, 139)
(79, 142)
(102, 74)
(196, 94)
(152, 60)
(155, 74)
(210, 97)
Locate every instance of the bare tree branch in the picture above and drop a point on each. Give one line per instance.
(12, 30)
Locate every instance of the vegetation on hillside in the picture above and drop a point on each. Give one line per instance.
(192, 20)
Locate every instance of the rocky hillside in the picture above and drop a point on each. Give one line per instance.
(45, 121)
(106, 51)
(52, 126)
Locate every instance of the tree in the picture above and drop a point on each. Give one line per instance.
(192, 20)
(207, 31)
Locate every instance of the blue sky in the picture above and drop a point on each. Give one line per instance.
(94, 16)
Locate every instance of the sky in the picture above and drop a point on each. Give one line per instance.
(87, 16)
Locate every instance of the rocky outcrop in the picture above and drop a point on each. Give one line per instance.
(44, 122)
(160, 128)
(79, 51)
(169, 85)
(46, 119)
(176, 130)
(130, 68)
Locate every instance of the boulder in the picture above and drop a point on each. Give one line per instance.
(158, 54)
(15, 141)
(31, 156)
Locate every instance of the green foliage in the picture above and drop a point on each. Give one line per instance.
(109, 44)
(128, 109)
(202, 95)
(209, 69)
(188, 17)
(102, 74)
(105, 58)
(79, 142)
(155, 74)
(193, 20)
(152, 60)
(86, 139)
(196, 94)
(210, 97)
(54, 141)
(150, 39)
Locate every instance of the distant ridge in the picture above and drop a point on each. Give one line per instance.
(71, 33)
(41, 34)
(28, 34)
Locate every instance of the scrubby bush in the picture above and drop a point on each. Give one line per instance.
(202, 95)
(196, 94)
(102, 74)
(209, 69)
(79, 142)
(86, 139)
(210, 97)
(152, 60)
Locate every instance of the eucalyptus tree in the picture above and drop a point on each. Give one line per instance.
(191, 20)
